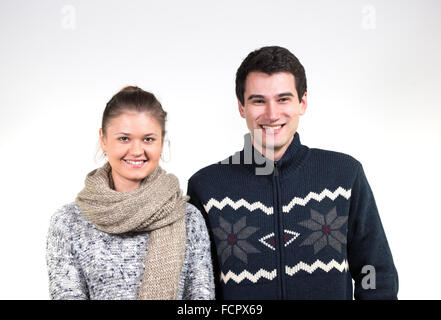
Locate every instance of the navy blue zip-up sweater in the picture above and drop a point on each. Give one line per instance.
(302, 232)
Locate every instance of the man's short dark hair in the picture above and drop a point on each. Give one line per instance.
(270, 60)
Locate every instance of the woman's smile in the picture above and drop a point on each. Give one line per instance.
(135, 163)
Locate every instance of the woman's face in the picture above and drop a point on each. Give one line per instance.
(133, 143)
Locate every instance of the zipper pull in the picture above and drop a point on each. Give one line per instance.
(276, 169)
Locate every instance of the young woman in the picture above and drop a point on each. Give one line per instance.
(130, 233)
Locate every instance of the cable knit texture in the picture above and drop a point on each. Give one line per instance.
(86, 263)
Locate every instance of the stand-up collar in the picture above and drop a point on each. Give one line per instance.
(292, 155)
(290, 160)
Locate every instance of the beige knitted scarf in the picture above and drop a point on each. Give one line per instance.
(156, 206)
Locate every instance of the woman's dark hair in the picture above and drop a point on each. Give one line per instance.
(133, 99)
(270, 60)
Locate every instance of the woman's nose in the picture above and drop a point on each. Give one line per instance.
(136, 148)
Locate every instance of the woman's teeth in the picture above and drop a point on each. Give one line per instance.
(135, 162)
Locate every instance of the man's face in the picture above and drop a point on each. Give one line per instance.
(272, 110)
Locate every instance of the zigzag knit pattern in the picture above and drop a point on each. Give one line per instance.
(270, 275)
(344, 266)
(318, 197)
(238, 278)
(237, 204)
(270, 210)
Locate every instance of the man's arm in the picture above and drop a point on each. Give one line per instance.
(370, 259)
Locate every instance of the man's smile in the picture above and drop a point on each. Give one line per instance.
(272, 128)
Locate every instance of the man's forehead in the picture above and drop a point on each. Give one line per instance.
(261, 83)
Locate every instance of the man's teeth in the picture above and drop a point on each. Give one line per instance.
(271, 128)
(134, 162)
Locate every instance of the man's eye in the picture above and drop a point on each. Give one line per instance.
(284, 99)
(260, 101)
(123, 139)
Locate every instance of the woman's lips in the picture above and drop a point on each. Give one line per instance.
(135, 163)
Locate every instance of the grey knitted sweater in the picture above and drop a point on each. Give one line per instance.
(86, 263)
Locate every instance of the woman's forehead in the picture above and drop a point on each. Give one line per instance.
(134, 121)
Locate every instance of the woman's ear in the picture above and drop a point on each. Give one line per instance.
(165, 150)
(102, 141)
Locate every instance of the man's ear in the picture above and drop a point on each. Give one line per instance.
(241, 108)
(303, 104)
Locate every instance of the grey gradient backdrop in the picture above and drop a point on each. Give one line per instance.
(373, 88)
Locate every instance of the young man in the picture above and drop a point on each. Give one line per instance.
(287, 221)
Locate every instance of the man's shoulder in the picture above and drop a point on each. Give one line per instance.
(210, 169)
(331, 157)
(333, 164)
(213, 171)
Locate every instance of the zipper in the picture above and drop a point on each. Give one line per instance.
(279, 223)
(276, 170)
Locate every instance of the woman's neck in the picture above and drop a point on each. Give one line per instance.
(122, 185)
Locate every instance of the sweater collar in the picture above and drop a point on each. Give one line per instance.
(291, 155)
(290, 160)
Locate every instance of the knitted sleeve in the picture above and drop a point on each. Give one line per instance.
(65, 279)
(370, 259)
(195, 200)
(198, 283)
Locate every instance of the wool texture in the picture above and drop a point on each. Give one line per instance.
(156, 206)
(85, 263)
(304, 230)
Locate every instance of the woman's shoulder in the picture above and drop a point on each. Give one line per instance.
(193, 214)
(195, 222)
(66, 217)
(192, 210)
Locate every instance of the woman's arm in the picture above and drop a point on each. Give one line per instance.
(199, 282)
(66, 281)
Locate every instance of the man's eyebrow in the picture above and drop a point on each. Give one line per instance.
(286, 94)
(259, 96)
(253, 96)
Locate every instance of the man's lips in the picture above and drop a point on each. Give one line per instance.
(272, 128)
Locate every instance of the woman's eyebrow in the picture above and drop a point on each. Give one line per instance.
(128, 134)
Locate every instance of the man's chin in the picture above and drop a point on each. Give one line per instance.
(268, 150)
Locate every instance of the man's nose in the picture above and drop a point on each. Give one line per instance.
(271, 111)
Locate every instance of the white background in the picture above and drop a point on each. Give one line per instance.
(373, 88)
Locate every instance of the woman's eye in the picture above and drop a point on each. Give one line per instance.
(149, 139)
(123, 139)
